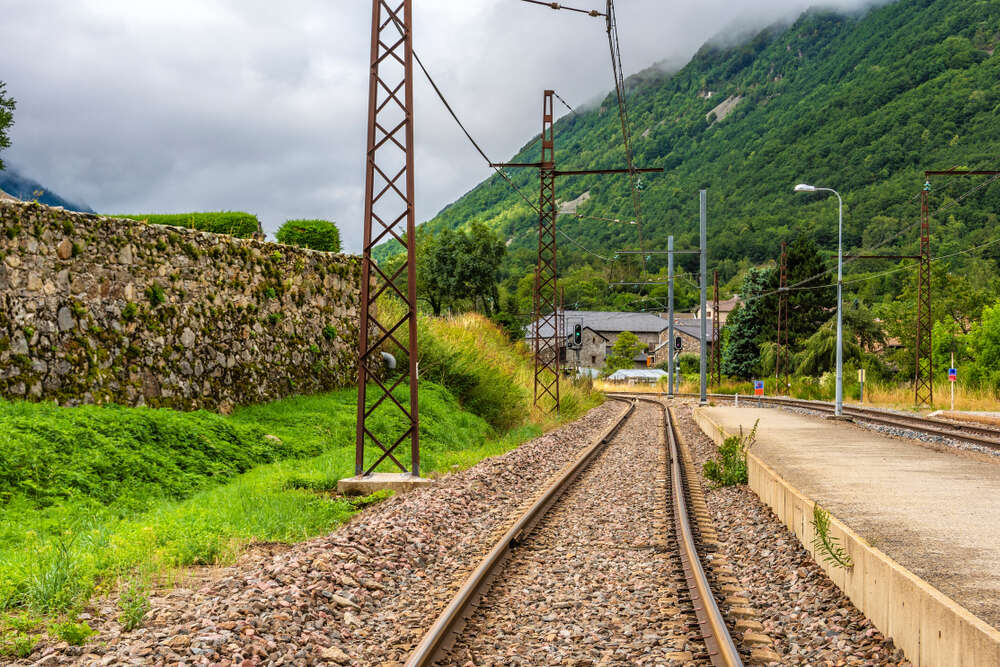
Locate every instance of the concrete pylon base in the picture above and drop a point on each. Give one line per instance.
(364, 486)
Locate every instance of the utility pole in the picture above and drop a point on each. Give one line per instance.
(924, 376)
(389, 205)
(923, 382)
(716, 338)
(670, 315)
(546, 292)
(782, 361)
(703, 236)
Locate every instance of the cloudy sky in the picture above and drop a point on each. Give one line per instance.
(180, 105)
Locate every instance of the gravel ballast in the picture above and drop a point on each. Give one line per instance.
(594, 584)
(808, 618)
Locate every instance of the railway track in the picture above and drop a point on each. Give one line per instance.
(620, 564)
(969, 433)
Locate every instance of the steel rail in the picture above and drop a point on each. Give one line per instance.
(451, 620)
(968, 433)
(718, 641)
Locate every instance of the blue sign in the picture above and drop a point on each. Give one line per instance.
(952, 374)
(758, 384)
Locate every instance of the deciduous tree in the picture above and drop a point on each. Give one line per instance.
(6, 117)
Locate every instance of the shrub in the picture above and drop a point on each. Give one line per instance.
(234, 223)
(72, 633)
(316, 234)
(730, 468)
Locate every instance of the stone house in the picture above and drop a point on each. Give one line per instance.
(600, 330)
(689, 331)
(725, 308)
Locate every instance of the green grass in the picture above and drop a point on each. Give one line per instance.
(259, 475)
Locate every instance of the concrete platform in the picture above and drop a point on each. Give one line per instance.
(380, 481)
(933, 512)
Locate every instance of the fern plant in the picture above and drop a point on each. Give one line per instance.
(832, 551)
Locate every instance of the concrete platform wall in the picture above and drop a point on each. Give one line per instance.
(931, 628)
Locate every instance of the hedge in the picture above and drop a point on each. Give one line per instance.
(316, 234)
(234, 223)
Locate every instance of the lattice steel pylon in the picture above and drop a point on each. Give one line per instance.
(782, 361)
(716, 338)
(389, 214)
(546, 293)
(924, 368)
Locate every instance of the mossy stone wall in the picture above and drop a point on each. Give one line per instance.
(106, 310)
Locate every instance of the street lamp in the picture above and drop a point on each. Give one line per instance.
(802, 187)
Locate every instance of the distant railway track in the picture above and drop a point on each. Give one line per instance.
(983, 436)
(719, 648)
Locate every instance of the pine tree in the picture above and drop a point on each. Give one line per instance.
(749, 326)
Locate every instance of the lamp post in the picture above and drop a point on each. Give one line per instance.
(802, 187)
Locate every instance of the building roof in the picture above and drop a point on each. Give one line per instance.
(599, 320)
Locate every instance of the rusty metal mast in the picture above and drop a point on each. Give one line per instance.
(924, 371)
(923, 384)
(389, 215)
(546, 292)
(782, 361)
(716, 338)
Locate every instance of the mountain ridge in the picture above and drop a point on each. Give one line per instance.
(21, 187)
(863, 103)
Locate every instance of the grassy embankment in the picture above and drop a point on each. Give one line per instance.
(892, 396)
(96, 498)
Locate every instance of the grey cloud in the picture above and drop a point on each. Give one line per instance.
(261, 106)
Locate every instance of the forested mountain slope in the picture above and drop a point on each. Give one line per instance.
(863, 104)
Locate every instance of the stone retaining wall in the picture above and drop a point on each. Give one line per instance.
(103, 310)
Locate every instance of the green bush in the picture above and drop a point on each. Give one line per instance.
(234, 223)
(689, 363)
(730, 468)
(316, 234)
(72, 633)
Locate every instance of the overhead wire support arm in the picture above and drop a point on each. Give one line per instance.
(556, 5)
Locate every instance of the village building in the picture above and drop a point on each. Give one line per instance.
(600, 330)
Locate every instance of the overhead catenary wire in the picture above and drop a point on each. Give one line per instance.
(944, 207)
(489, 162)
(906, 267)
(619, 75)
